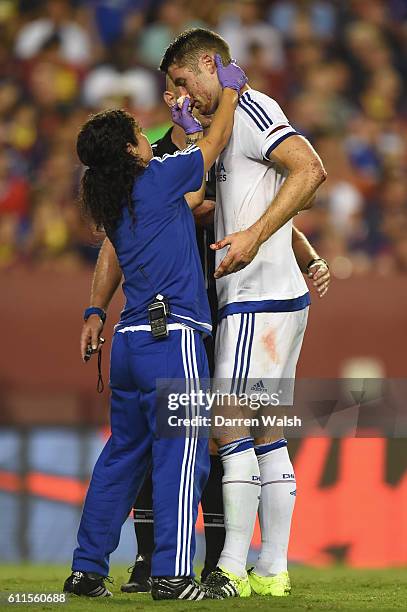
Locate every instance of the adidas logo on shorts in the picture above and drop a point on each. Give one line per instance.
(259, 386)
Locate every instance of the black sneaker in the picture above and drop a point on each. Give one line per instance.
(140, 577)
(220, 582)
(181, 588)
(206, 570)
(87, 584)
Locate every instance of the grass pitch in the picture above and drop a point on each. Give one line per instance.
(313, 589)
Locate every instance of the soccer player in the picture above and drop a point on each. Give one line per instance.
(266, 174)
(139, 201)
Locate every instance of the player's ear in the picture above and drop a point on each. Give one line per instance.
(169, 98)
(208, 62)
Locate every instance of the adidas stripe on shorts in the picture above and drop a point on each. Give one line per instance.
(258, 353)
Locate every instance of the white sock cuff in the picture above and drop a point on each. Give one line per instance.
(267, 447)
(235, 447)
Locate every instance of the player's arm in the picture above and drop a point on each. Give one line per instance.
(305, 174)
(310, 263)
(106, 279)
(310, 203)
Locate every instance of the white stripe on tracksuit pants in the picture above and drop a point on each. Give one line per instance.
(185, 519)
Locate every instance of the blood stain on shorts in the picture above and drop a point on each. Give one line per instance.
(269, 343)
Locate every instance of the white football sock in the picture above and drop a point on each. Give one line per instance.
(241, 492)
(278, 490)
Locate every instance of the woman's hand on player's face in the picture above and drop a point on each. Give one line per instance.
(321, 277)
(243, 249)
(182, 116)
(91, 330)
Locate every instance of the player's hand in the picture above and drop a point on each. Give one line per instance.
(231, 76)
(320, 276)
(243, 249)
(184, 117)
(91, 330)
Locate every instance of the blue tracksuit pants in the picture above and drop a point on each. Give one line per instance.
(180, 464)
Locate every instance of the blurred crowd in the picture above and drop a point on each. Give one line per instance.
(337, 68)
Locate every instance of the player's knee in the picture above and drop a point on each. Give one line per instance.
(272, 434)
(213, 447)
(228, 439)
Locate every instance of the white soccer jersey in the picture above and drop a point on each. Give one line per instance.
(246, 185)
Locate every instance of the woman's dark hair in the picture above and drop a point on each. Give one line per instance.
(108, 181)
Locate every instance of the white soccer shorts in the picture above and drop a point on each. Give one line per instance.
(258, 353)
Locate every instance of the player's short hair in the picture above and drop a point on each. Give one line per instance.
(186, 49)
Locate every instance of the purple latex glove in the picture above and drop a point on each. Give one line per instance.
(184, 118)
(231, 76)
